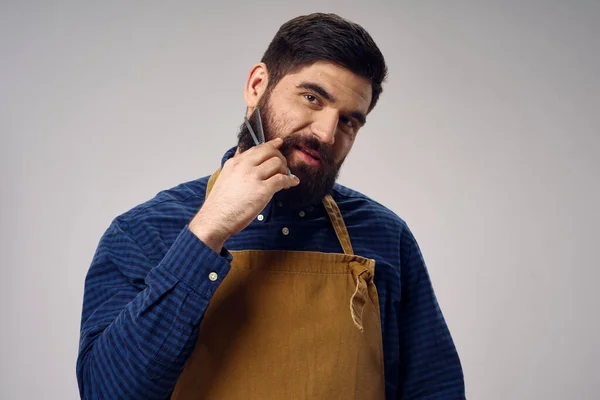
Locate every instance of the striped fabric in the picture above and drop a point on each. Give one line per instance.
(148, 287)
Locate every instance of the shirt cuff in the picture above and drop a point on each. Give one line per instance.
(194, 263)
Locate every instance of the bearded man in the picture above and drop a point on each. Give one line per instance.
(266, 279)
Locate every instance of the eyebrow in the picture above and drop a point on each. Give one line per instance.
(321, 91)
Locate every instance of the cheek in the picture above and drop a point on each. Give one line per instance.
(292, 115)
(291, 121)
(341, 148)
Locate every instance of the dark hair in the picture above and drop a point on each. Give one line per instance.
(307, 39)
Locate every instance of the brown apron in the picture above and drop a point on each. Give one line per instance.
(290, 325)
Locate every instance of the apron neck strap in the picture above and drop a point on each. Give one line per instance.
(335, 216)
(333, 211)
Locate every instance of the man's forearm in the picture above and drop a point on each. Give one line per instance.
(135, 343)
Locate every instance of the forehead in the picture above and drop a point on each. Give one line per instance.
(349, 89)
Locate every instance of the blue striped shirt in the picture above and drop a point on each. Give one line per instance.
(148, 287)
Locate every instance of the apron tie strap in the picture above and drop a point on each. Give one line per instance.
(360, 296)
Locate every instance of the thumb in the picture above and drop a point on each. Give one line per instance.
(277, 142)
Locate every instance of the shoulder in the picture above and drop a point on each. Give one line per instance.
(356, 205)
(155, 224)
(171, 200)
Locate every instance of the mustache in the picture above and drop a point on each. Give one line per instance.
(310, 142)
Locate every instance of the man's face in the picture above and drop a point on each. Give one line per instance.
(318, 112)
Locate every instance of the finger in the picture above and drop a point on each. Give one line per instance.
(281, 181)
(277, 142)
(272, 166)
(259, 154)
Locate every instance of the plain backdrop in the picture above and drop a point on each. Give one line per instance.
(485, 141)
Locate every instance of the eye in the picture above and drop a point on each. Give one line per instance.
(348, 122)
(311, 98)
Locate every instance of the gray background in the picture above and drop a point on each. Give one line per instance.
(485, 141)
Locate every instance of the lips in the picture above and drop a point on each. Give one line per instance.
(313, 153)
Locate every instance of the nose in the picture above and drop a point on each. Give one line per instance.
(325, 126)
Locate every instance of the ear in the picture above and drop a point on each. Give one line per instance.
(258, 80)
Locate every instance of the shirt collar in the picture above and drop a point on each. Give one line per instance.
(228, 154)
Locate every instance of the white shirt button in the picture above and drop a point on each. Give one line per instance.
(302, 213)
(261, 217)
(285, 231)
(213, 276)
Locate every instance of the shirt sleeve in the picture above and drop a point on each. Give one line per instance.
(430, 366)
(140, 320)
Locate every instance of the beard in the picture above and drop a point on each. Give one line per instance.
(315, 181)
